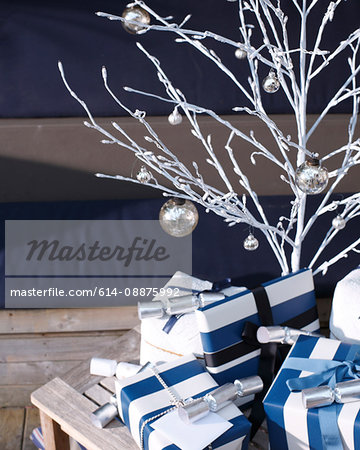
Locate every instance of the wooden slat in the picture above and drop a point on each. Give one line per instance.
(11, 428)
(68, 320)
(52, 348)
(34, 372)
(54, 436)
(28, 142)
(32, 420)
(98, 394)
(18, 395)
(109, 383)
(125, 348)
(72, 412)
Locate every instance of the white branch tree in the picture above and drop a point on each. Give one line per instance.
(295, 76)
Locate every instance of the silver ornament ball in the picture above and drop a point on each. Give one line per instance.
(240, 53)
(311, 178)
(144, 176)
(271, 84)
(137, 14)
(338, 222)
(251, 243)
(175, 118)
(178, 217)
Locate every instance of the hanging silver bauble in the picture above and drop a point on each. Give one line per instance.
(311, 178)
(178, 217)
(338, 222)
(137, 14)
(251, 243)
(271, 84)
(144, 176)
(240, 53)
(175, 118)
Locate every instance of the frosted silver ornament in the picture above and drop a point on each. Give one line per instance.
(251, 243)
(271, 84)
(175, 118)
(178, 217)
(240, 53)
(311, 178)
(136, 14)
(338, 222)
(144, 176)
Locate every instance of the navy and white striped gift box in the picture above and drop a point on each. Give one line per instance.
(142, 396)
(293, 427)
(292, 303)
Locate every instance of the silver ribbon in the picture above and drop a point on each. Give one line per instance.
(177, 305)
(281, 335)
(344, 392)
(219, 398)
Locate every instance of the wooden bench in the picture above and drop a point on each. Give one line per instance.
(66, 403)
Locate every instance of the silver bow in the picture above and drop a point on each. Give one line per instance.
(177, 305)
(344, 392)
(220, 397)
(281, 335)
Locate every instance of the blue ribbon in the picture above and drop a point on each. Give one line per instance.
(171, 322)
(216, 287)
(329, 373)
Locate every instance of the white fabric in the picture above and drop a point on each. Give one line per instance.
(344, 320)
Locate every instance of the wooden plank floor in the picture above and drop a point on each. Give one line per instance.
(16, 425)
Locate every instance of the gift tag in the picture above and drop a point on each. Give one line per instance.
(194, 436)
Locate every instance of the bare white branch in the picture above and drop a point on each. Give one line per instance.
(236, 201)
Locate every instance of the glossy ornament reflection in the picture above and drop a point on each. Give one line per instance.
(136, 14)
(175, 118)
(251, 243)
(311, 178)
(178, 217)
(271, 84)
(338, 222)
(240, 53)
(144, 176)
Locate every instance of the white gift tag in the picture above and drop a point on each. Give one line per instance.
(194, 436)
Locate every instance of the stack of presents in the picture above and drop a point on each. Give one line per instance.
(211, 351)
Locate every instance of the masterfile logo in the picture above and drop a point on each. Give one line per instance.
(85, 255)
(139, 250)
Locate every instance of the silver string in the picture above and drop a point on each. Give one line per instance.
(175, 400)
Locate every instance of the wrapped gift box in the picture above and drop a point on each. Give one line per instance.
(290, 425)
(142, 397)
(183, 336)
(288, 300)
(345, 312)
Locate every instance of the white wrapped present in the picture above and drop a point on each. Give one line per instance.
(181, 334)
(344, 320)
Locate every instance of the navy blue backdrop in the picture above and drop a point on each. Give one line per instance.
(217, 250)
(35, 34)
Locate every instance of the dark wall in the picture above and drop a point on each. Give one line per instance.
(35, 34)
